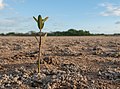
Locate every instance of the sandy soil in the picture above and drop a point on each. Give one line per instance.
(67, 63)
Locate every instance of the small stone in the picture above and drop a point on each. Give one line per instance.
(5, 76)
(2, 87)
(54, 76)
(93, 81)
(99, 73)
(79, 75)
(42, 76)
(8, 85)
(19, 82)
(11, 76)
(15, 79)
(48, 86)
(25, 75)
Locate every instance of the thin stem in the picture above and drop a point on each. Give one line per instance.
(39, 56)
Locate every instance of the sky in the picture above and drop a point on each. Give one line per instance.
(96, 16)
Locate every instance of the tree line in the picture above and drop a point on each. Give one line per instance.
(70, 32)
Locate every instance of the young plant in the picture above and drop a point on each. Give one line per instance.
(40, 22)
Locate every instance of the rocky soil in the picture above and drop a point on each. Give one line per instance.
(67, 63)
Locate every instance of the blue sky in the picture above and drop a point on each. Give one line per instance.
(96, 16)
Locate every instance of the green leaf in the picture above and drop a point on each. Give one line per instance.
(45, 35)
(35, 19)
(45, 19)
(40, 22)
(42, 25)
(44, 38)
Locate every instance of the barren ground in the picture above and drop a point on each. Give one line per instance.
(68, 63)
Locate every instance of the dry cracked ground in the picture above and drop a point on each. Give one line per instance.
(67, 63)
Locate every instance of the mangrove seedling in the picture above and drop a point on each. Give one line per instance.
(40, 22)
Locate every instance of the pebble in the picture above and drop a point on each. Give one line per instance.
(50, 79)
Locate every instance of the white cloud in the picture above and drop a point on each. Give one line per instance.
(16, 24)
(2, 5)
(6, 23)
(111, 10)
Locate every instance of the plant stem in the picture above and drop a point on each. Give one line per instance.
(39, 56)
